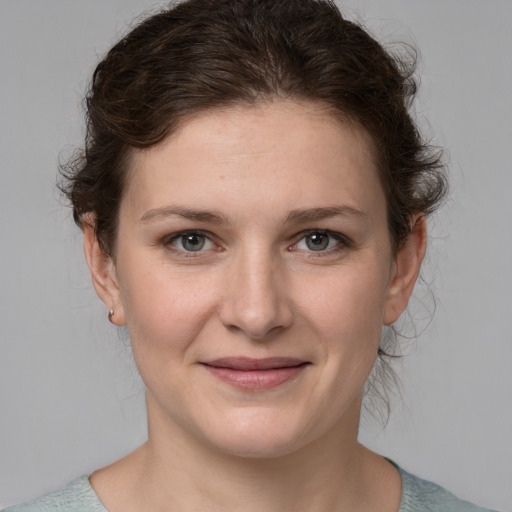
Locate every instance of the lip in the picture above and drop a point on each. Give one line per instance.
(255, 374)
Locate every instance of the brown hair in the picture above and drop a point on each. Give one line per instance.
(203, 54)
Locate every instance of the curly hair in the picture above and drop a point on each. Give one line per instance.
(200, 55)
(203, 54)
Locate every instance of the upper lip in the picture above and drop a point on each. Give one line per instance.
(247, 363)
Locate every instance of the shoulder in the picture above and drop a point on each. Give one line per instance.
(423, 496)
(77, 496)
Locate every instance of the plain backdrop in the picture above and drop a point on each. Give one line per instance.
(70, 399)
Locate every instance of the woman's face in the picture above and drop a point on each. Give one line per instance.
(254, 271)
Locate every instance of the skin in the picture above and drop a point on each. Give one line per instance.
(271, 178)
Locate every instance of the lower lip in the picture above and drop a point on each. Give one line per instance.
(256, 380)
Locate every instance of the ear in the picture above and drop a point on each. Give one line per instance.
(406, 269)
(103, 272)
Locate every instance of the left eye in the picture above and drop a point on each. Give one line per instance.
(319, 241)
(191, 242)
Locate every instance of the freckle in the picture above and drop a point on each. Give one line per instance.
(221, 177)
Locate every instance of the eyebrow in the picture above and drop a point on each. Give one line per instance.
(299, 215)
(316, 214)
(212, 216)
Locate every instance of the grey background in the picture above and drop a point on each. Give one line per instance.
(70, 400)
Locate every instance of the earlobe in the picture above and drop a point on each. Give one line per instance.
(406, 270)
(103, 273)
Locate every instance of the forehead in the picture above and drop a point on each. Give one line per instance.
(272, 154)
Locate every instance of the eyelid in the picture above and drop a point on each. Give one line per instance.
(344, 242)
(168, 240)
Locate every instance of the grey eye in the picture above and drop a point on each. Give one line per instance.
(317, 241)
(192, 242)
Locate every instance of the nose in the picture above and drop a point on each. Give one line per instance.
(256, 299)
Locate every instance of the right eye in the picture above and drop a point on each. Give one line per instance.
(190, 241)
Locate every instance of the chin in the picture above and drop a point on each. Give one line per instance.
(258, 446)
(258, 434)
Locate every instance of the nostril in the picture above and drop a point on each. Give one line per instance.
(255, 324)
(255, 301)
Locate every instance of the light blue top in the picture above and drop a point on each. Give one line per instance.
(417, 496)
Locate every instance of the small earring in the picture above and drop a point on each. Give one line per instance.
(110, 315)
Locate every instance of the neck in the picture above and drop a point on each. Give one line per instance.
(327, 474)
(176, 471)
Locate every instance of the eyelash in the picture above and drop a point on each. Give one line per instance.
(342, 242)
(169, 240)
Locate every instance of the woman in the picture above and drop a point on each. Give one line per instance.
(253, 196)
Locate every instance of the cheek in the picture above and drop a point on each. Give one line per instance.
(346, 310)
(165, 312)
